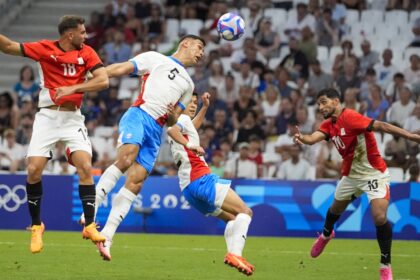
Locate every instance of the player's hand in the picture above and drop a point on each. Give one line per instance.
(297, 138)
(63, 91)
(199, 151)
(206, 99)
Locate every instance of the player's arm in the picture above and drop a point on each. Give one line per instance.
(173, 113)
(8, 46)
(120, 69)
(175, 133)
(311, 139)
(201, 115)
(394, 130)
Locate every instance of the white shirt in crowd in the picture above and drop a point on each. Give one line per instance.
(290, 171)
(399, 113)
(18, 152)
(412, 124)
(271, 110)
(242, 168)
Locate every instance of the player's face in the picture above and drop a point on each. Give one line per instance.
(196, 51)
(327, 106)
(78, 36)
(192, 107)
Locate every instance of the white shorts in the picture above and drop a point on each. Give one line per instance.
(52, 126)
(376, 187)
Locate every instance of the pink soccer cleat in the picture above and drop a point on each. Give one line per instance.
(386, 273)
(320, 244)
(105, 249)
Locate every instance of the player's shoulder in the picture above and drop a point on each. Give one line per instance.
(350, 115)
(150, 55)
(184, 118)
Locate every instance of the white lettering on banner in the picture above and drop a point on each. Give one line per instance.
(10, 199)
(170, 201)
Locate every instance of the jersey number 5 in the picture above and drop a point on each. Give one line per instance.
(173, 73)
(69, 69)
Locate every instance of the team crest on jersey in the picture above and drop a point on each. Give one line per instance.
(80, 61)
(343, 132)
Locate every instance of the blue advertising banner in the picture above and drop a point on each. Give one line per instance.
(281, 208)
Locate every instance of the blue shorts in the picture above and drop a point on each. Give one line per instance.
(207, 193)
(138, 127)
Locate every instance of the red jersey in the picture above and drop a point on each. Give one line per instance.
(59, 68)
(352, 135)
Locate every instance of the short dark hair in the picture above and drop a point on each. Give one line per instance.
(328, 92)
(195, 94)
(191, 36)
(69, 22)
(32, 78)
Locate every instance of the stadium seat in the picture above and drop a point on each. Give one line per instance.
(352, 16)
(397, 174)
(333, 52)
(409, 51)
(172, 30)
(372, 16)
(322, 53)
(386, 30)
(278, 18)
(291, 12)
(191, 26)
(364, 29)
(399, 17)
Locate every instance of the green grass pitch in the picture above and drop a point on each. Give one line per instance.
(150, 256)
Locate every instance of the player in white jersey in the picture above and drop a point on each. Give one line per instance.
(205, 191)
(165, 91)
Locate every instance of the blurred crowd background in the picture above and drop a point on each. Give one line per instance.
(262, 86)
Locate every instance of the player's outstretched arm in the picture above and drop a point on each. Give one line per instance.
(8, 46)
(395, 130)
(120, 69)
(315, 137)
(176, 135)
(201, 115)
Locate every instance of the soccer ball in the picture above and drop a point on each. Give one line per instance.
(231, 26)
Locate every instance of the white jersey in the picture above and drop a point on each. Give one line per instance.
(165, 81)
(191, 166)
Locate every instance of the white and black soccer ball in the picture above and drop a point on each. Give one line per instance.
(231, 26)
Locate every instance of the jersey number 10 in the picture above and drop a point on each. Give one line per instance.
(69, 69)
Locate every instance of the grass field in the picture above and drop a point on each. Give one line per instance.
(150, 256)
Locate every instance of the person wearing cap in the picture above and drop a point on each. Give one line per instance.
(12, 154)
(242, 166)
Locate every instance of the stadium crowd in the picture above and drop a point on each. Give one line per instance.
(261, 87)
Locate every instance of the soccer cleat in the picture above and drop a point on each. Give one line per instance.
(239, 263)
(386, 273)
(91, 232)
(36, 238)
(320, 244)
(105, 249)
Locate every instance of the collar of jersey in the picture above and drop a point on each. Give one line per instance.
(176, 60)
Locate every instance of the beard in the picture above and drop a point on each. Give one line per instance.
(328, 115)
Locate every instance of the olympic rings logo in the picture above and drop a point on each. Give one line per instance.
(12, 198)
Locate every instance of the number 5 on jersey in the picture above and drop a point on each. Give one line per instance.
(173, 73)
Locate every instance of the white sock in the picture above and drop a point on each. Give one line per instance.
(121, 205)
(228, 234)
(240, 230)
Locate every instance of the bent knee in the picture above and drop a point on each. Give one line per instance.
(247, 211)
(34, 172)
(380, 219)
(85, 169)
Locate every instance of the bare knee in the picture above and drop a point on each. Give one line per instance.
(135, 184)
(34, 173)
(125, 162)
(84, 171)
(247, 211)
(379, 218)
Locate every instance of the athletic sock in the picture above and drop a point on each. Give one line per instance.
(330, 220)
(229, 234)
(121, 205)
(384, 237)
(240, 230)
(34, 193)
(87, 196)
(106, 183)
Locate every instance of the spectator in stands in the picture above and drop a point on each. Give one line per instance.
(134, 24)
(119, 7)
(143, 9)
(368, 79)
(241, 167)
(216, 166)
(317, 81)
(287, 114)
(328, 162)
(222, 125)
(239, 55)
(215, 104)
(267, 40)
(401, 109)
(369, 57)
(385, 71)
(271, 102)
(117, 50)
(297, 98)
(412, 73)
(249, 126)
(296, 22)
(200, 78)
(95, 31)
(412, 123)
(397, 149)
(217, 76)
(255, 154)
(416, 31)
(155, 25)
(295, 168)
(26, 85)
(12, 154)
(24, 130)
(376, 104)
(253, 19)
(246, 77)
(327, 29)
(111, 107)
(285, 141)
(350, 100)
(339, 13)
(282, 82)
(108, 19)
(355, 4)
(308, 45)
(9, 113)
(302, 118)
(414, 172)
(229, 91)
(349, 78)
(296, 62)
(399, 4)
(347, 54)
(392, 92)
(243, 104)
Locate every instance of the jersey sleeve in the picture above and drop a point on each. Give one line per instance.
(325, 128)
(33, 50)
(183, 123)
(358, 122)
(93, 61)
(144, 63)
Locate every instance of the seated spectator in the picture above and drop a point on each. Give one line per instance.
(317, 81)
(133, 23)
(215, 104)
(255, 154)
(295, 62)
(119, 7)
(298, 21)
(282, 82)
(287, 114)
(385, 71)
(401, 109)
(397, 149)
(155, 25)
(26, 85)
(297, 98)
(271, 102)
(117, 50)
(216, 165)
(368, 79)
(412, 73)
(253, 18)
(414, 172)
(341, 58)
(9, 113)
(249, 126)
(239, 55)
(143, 9)
(349, 78)
(95, 31)
(308, 45)
(267, 40)
(285, 141)
(107, 18)
(392, 92)
(24, 130)
(302, 118)
(369, 57)
(111, 107)
(244, 104)
(328, 162)
(339, 13)
(412, 123)
(327, 29)
(229, 91)
(350, 101)
(222, 125)
(200, 78)
(376, 104)
(242, 166)
(416, 31)
(217, 76)
(246, 77)
(12, 154)
(295, 168)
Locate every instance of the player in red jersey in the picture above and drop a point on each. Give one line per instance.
(63, 65)
(363, 169)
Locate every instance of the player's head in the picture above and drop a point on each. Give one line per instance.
(191, 108)
(72, 29)
(328, 101)
(191, 49)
